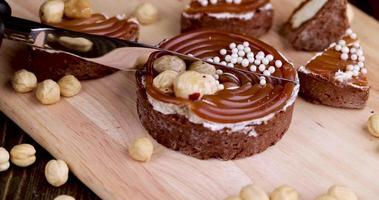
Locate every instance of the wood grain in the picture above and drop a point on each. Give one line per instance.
(91, 131)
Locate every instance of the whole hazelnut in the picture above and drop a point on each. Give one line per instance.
(168, 62)
(52, 11)
(373, 125)
(165, 80)
(146, 13)
(69, 86)
(253, 192)
(23, 155)
(326, 197)
(141, 149)
(77, 9)
(233, 198)
(56, 172)
(48, 92)
(4, 159)
(203, 67)
(284, 193)
(64, 197)
(342, 192)
(24, 81)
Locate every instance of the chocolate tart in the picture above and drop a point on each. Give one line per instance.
(250, 17)
(54, 65)
(315, 24)
(334, 79)
(245, 118)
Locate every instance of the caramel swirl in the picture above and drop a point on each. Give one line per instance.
(244, 98)
(98, 24)
(221, 7)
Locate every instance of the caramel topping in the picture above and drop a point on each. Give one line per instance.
(221, 7)
(98, 24)
(244, 98)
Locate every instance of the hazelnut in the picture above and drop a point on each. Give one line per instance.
(78, 44)
(165, 80)
(69, 86)
(373, 125)
(326, 197)
(64, 197)
(56, 172)
(203, 67)
(24, 81)
(342, 192)
(253, 192)
(48, 92)
(23, 155)
(4, 159)
(169, 63)
(77, 9)
(52, 11)
(146, 13)
(284, 193)
(141, 149)
(233, 198)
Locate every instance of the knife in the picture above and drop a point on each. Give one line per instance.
(111, 52)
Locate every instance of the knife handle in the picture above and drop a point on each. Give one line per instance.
(5, 12)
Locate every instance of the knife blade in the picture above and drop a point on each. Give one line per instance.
(112, 52)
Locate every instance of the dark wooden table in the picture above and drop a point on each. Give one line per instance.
(30, 183)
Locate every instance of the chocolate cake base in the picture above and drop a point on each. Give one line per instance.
(319, 90)
(177, 133)
(257, 26)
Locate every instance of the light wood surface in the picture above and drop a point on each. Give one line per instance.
(91, 131)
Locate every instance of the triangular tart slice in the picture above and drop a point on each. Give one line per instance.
(338, 76)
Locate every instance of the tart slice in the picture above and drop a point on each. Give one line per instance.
(317, 23)
(337, 77)
(246, 17)
(209, 112)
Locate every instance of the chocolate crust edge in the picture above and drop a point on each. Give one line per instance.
(319, 90)
(179, 134)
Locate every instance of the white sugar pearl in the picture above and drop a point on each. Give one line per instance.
(234, 60)
(250, 55)
(239, 60)
(190, 55)
(257, 62)
(266, 73)
(350, 68)
(278, 63)
(232, 45)
(251, 60)
(354, 57)
(223, 63)
(262, 82)
(219, 72)
(349, 31)
(270, 57)
(229, 1)
(262, 68)
(360, 52)
(209, 60)
(353, 36)
(228, 58)
(247, 49)
(246, 44)
(271, 69)
(361, 64)
(356, 68)
(338, 47)
(234, 55)
(342, 42)
(213, 2)
(355, 73)
(204, 3)
(241, 53)
(265, 61)
(361, 58)
(253, 68)
(345, 50)
(237, 1)
(223, 52)
(262, 78)
(344, 56)
(240, 47)
(260, 55)
(216, 59)
(356, 44)
(245, 63)
(364, 71)
(230, 65)
(353, 50)
(235, 50)
(220, 87)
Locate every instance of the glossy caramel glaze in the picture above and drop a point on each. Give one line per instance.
(222, 7)
(245, 99)
(99, 24)
(329, 62)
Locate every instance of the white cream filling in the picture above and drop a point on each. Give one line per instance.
(307, 12)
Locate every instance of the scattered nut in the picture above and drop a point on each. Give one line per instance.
(342, 193)
(48, 92)
(233, 198)
(326, 197)
(23, 155)
(253, 192)
(4, 159)
(56, 172)
(203, 67)
(164, 81)
(141, 149)
(169, 63)
(69, 86)
(77, 9)
(52, 11)
(64, 197)
(24, 81)
(78, 44)
(284, 193)
(146, 13)
(373, 125)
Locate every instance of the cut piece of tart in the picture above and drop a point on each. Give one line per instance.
(245, 17)
(337, 77)
(54, 65)
(230, 114)
(317, 23)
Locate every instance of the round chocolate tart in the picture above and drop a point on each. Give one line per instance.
(246, 17)
(54, 65)
(246, 116)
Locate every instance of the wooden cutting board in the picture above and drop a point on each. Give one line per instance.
(91, 131)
